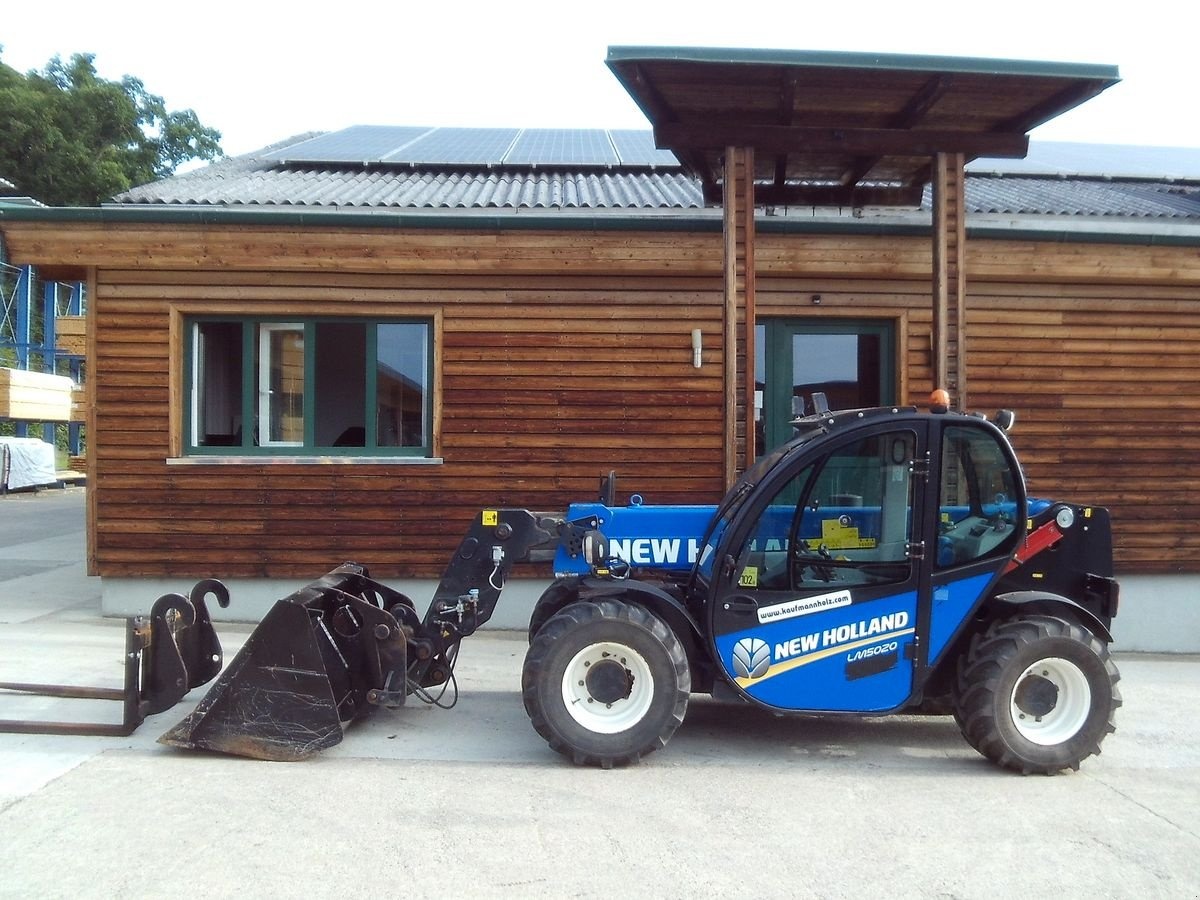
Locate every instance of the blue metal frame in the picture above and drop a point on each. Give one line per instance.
(22, 329)
(18, 322)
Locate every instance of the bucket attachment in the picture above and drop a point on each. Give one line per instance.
(174, 650)
(344, 644)
(319, 659)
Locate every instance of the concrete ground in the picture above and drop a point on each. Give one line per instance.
(471, 802)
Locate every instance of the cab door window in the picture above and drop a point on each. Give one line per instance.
(978, 506)
(846, 519)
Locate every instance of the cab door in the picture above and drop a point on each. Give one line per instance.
(980, 522)
(815, 598)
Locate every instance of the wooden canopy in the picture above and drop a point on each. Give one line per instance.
(797, 128)
(843, 129)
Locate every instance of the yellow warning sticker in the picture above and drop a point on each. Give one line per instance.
(749, 577)
(835, 535)
(491, 517)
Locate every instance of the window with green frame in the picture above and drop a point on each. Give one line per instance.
(290, 386)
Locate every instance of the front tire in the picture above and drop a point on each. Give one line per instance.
(1037, 694)
(605, 683)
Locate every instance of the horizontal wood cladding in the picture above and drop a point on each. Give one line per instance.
(1024, 261)
(848, 256)
(1068, 263)
(315, 249)
(565, 354)
(1106, 384)
(545, 384)
(496, 253)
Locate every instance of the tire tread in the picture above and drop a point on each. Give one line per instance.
(581, 614)
(979, 696)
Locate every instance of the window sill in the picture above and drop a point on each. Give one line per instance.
(304, 460)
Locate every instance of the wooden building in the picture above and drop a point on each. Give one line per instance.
(279, 382)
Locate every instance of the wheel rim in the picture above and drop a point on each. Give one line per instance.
(607, 687)
(1050, 701)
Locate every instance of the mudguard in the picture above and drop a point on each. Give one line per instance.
(1045, 599)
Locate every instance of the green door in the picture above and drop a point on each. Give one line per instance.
(851, 361)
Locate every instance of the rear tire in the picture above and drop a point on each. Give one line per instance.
(605, 683)
(1037, 694)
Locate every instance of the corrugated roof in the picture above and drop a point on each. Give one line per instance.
(259, 179)
(237, 183)
(1081, 197)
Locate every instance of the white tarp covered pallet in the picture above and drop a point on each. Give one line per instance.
(26, 462)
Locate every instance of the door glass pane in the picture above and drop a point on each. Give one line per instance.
(844, 367)
(764, 560)
(860, 508)
(402, 385)
(281, 384)
(760, 391)
(850, 362)
(849, 524)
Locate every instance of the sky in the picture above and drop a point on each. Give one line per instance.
(260, 73)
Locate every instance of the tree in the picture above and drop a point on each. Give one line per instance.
(71, 138)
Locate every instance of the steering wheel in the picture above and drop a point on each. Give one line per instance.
(802, 556)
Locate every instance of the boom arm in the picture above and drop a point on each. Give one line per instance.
(470, 587)
(473, 579)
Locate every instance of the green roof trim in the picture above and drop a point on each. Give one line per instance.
(178, 214)
(164, 215)
(859, 60)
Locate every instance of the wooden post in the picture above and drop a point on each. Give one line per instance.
(739, 310)
(949, 277)
(93, 440)
(749, 314)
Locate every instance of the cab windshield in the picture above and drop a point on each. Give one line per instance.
(741, 490)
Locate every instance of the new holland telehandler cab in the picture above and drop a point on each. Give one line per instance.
(882, 561)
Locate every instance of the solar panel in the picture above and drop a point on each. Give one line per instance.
(636, 148)
(1063, 158)
(357, 144)
(562, 147)
(415, 146)
(457, 146)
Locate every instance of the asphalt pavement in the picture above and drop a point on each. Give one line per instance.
(471, 802)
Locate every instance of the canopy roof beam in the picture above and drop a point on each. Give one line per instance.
(793, 139)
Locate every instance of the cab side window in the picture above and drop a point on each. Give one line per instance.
(846, 519)
(978, 506)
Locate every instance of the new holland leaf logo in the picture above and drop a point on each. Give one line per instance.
(751, 658)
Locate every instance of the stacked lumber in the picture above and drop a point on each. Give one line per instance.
(71, 334)
(35, 396)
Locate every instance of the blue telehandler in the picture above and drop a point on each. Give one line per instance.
(881, 561)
